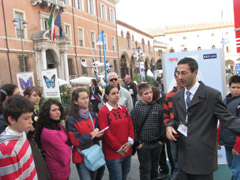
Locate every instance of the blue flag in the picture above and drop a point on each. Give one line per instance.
(100, 39)
(58, 23)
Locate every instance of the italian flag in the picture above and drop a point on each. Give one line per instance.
(51, 25)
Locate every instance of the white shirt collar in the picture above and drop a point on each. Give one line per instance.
(110, 108)
(193, 89)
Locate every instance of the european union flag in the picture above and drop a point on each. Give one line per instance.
(59, 23)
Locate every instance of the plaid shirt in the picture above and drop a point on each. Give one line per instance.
(153, 128)
(168, 107)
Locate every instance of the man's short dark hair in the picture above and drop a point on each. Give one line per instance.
(143, 87)
(234, 79)
(192, 63)
(15, 106)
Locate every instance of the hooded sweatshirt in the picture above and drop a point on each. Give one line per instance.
(16, 160)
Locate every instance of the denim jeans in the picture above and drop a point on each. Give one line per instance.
(174, 152)
(119, 168)
(148, 157)
(233, 163)
(84, 173)
(100, 173)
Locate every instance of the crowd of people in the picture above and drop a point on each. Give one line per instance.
(122, 120)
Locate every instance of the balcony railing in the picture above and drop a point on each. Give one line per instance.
(59, 3)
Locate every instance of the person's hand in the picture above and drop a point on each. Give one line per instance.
(126, 147)
(99, 134)
(218, 147)
(94, 132)
(139, 146)
(122, 153)
(234, 152)
(170, 132)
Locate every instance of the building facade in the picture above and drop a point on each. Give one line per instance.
(136, 47)
(33, 49)
(202, 36)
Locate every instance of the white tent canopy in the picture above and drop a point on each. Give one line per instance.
(86, 81)
(63, 82)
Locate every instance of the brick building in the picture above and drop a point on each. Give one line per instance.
(82, 21)
(137, 46)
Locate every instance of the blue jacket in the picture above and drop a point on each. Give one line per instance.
(227, 138)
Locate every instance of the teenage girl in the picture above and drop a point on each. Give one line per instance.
(82, 130)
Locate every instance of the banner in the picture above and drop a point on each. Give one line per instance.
(24, 80)
(211, 68)
(236, 7)
(50, 84)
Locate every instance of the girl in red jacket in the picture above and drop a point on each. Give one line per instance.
(81, 131)
(119, 137)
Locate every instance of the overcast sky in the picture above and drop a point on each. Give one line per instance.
(147, 14)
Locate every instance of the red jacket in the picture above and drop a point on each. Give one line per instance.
(79, 134)
(120, 129)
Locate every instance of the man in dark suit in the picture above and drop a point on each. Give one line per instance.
(197, 109)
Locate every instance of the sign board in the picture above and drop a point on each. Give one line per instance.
(24, 80)
(211, 68)
(50, 84)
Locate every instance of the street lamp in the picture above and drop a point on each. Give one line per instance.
(139, 54)
(21, 24)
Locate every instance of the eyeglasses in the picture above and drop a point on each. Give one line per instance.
(113, 79)
(183, 73)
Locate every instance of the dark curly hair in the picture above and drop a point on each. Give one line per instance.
(6, 91)
(44, 120)
(74, 107)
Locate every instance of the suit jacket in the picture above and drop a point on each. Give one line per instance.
(197, 153)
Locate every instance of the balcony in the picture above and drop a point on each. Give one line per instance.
(46, 3)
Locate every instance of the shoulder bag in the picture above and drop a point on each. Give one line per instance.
(93, 156)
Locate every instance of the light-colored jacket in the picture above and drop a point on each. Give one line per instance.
(125, 99)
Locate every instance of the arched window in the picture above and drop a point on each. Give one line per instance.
(128, 40)
(143, 45)
(122, 34)
(149, 47)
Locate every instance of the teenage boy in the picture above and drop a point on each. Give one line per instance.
(147, 119)
(16, 161)
(227, 138)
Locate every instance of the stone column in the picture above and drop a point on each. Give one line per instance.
(65, 64)
(44, 60)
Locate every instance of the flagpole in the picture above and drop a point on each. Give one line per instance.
(104, 54)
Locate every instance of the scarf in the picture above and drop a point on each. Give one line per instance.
(84, 113)
(52, 124)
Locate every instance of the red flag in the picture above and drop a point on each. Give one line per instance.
(236, 7)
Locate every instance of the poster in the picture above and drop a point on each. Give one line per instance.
(50, 85)
(211, 68)
(24, 80)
